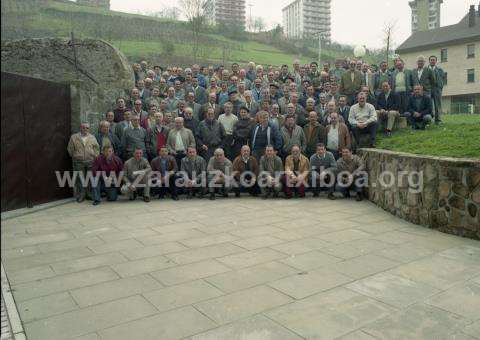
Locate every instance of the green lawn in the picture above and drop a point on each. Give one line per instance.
(459, 136)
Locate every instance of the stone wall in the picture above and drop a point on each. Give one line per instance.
(100, 74)
(448, 200)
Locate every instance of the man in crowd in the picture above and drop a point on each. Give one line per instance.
(219, 170)
(179, 139)
(363, 119)
(171, 100)
(119, 110)
(419, 109)
(424, 76)
(136, 172)
(134, 137)
(270, 168)
(351, 171)
(323, 168)
(292, 134)
(337, 135)
(388, 108)
(314, 133)
(343, 109)
(296, 173)
(264, 134)
(245, 172)
(228, 120)
(437, 88)
(107, 167)
(351, 82)
(382, 76)
(163, 176)
(402, 84)
(83, 148)
(192, 169)
(241, 130)
(211, 135)
(250, 104)
(105, 137)
(157, 137)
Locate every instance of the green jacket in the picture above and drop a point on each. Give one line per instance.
(347, 87)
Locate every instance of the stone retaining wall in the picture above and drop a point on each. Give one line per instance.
(449, 199)
(97, 72)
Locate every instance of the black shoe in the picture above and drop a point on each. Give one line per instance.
(438, 122)
(189, 195)
(161, 196)
(359, 197)
(225, 194)
(80, 199)
(96, 203)
(331, 196)
(237, 193)
(346, 194)
(275, 194)
(212, 197)
(316, 194)
(266, 195)
(175, 198)
(146, 199)
(388, 133)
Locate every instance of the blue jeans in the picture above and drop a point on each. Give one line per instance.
(112, 193)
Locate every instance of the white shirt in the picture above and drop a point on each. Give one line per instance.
(228, 122)
(179, 142)
(332, 138)
(419, 72)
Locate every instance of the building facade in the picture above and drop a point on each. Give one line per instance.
(425, 14)
(306, 18)
(227, 12)
(457, 48)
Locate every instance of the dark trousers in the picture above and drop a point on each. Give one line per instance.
(353, 186)
(178, 158)
(112, 192)
(162, 189)
(437, 103)
(403, 105)
(327, 185)
(291, 188)
(252, 189)
(370, 129)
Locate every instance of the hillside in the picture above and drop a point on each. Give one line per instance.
(137, 36)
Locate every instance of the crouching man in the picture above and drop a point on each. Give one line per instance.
(192, 171)
(136, 173)
(163, 177)
(351, 174)
(219, 171)
(271, 167)
(323, 169)
(245, 172)
(106, 168)
(296, 173)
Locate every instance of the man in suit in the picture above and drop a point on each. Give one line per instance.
(419, 109)
(437, 88)
(402, 84)
(424, 76)
(383, 75)
(368, 78)
(212, 103)
(199, 91)
(387, 107)
(351, 82)
(191, 103)
(251, 104)
(343, 110)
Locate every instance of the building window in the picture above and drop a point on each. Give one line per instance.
(471, 51)
(471, 75)
(443, 55)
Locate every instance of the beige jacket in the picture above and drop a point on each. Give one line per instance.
(80, 151)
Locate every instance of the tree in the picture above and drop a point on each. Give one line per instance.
(197, 13)
(168, 13)
(388, 31)
(258, 24)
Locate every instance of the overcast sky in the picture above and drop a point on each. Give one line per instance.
(353, 21)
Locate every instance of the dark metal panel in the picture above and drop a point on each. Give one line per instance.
(14, 186)
(36, 117)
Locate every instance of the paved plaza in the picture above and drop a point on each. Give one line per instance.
(239, 269)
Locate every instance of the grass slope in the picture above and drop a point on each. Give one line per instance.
(458, 137)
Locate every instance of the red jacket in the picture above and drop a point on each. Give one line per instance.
(101, 164)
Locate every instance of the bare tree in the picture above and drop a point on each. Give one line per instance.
(258, 24)
(168, 13)
(388, 31)
(197, 13)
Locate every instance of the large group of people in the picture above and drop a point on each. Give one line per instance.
(206, 130)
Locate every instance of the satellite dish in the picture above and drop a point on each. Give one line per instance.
(359, 51)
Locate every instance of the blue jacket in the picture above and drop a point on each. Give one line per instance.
(392, 104)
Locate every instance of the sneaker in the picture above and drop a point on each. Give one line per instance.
(96, 203)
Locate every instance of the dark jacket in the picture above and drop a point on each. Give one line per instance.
(427, 80)
(211, 133)
(390, 104)
(273, 135)
(114, 140)
(424, 107)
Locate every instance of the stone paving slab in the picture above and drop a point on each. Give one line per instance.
(241, 269)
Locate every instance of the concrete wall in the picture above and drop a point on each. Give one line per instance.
(102, 75)
(449, 199)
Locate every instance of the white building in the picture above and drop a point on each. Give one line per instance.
(227, 12)
(425, 14)
(303, 18)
